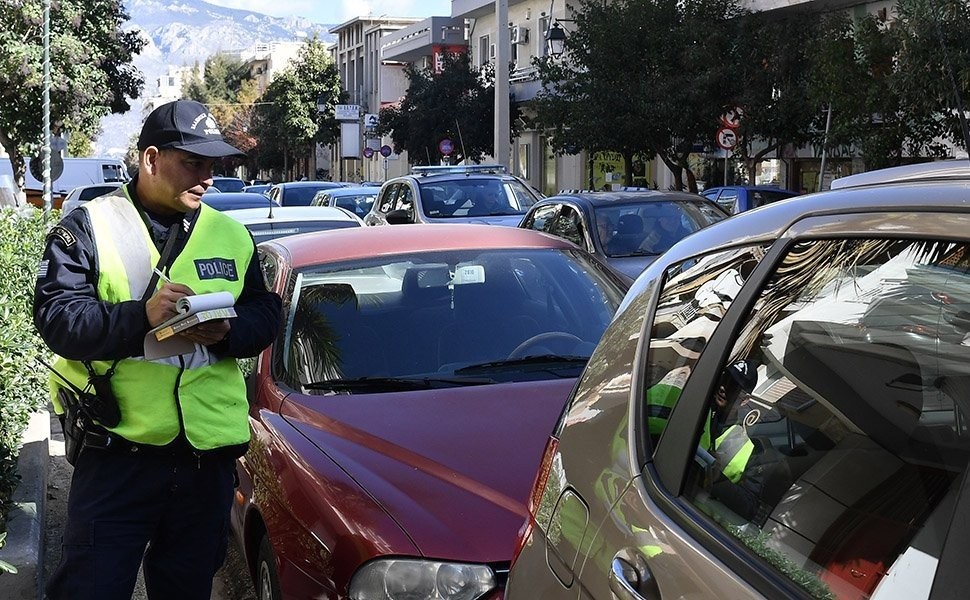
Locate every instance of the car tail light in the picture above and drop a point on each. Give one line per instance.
(538, 489)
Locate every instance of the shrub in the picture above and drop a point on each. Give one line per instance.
(23, 381)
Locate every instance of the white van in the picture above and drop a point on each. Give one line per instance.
(76, 172)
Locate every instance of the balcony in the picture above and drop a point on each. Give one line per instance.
(473, 9)
(417, 41)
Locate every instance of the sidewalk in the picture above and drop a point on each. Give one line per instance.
(25, 527)
(34, 528)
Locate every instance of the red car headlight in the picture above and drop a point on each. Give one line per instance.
(405, 579)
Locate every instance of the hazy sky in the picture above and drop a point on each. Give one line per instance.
(339, 11)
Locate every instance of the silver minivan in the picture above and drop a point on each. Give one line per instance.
(780, 409)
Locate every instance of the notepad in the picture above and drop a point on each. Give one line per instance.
(193, 310)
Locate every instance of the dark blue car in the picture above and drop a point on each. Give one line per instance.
(739, 198)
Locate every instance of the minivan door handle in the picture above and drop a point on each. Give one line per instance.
(631, 577)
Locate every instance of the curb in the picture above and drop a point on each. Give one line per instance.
(24, 547)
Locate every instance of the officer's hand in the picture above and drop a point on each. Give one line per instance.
(161, 306)
(207, 333)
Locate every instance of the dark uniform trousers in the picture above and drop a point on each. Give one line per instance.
(172, 509)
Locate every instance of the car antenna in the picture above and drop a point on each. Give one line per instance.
(270, 216)
(949, 70)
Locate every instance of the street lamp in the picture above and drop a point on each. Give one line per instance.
(555, 40)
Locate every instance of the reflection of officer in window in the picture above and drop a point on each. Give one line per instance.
(751, 475)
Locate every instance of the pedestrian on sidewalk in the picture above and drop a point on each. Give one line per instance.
(154, 469)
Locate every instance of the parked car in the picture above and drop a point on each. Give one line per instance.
(228, 184)
(84, 193)
(299, 193)
(627, 230)
(453, 194)
(258, 188)
(778, 410)
(739, 198)
(230, 200)
(357, 200)
(399, 417)
(277, 221)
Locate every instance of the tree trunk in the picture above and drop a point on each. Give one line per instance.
(628, 168)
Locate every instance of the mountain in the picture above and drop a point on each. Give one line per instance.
(185, 32)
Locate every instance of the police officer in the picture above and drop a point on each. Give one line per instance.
(156, 483)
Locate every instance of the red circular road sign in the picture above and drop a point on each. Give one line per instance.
(368, 152)
(385, 150)
(726, 138)
(446, 146)
(732, 118)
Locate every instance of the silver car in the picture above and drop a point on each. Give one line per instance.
(485, 194)
(779, 409)
(84, 193)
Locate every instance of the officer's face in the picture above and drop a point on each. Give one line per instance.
(175, 180)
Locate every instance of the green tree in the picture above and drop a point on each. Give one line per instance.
(286, 123)
(778, 56)
(91, 71)
(230, 93)
(642, 77)
(458, 103)
(896, 88)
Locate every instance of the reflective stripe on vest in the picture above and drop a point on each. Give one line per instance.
(661, 399)
(733, 449)
(203, 392)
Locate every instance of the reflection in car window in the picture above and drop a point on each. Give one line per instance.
(543, 217)
(569, 225)
(696, 294)
(728, 200)
(429, 315)
(388, 198)
(837, 458)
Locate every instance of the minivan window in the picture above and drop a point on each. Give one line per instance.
(838, 453)
(696, 294)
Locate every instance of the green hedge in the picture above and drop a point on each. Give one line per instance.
(23, 381)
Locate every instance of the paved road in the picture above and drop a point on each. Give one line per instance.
(231, 582)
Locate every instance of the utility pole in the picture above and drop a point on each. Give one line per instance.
(46, 164)
(503, 51)
(825, 141)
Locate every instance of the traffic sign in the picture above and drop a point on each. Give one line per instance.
(732, 118)
(371, 120)
(368, 152)
(446, 146)
(726, 138)
(385, 150)
(346, 112)
(37, 166)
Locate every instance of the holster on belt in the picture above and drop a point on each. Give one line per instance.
(74, 422)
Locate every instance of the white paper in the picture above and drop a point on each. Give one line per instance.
(184, 306)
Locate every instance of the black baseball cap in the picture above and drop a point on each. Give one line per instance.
(185, 125)
(743, 374)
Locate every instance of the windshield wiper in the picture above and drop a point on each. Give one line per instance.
(635, 253)
(394, 383)
(558, 360)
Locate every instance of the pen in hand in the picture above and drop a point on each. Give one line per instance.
(162, 275)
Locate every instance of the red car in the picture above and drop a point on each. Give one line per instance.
(400, 417)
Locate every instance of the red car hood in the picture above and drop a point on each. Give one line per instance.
(453, 467)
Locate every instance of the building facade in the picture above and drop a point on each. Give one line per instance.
(370, 83)
(531, 157)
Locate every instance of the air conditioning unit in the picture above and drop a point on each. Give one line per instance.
(518, 34)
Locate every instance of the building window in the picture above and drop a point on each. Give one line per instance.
(540, 37)
(484, 50)
(523, 167)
